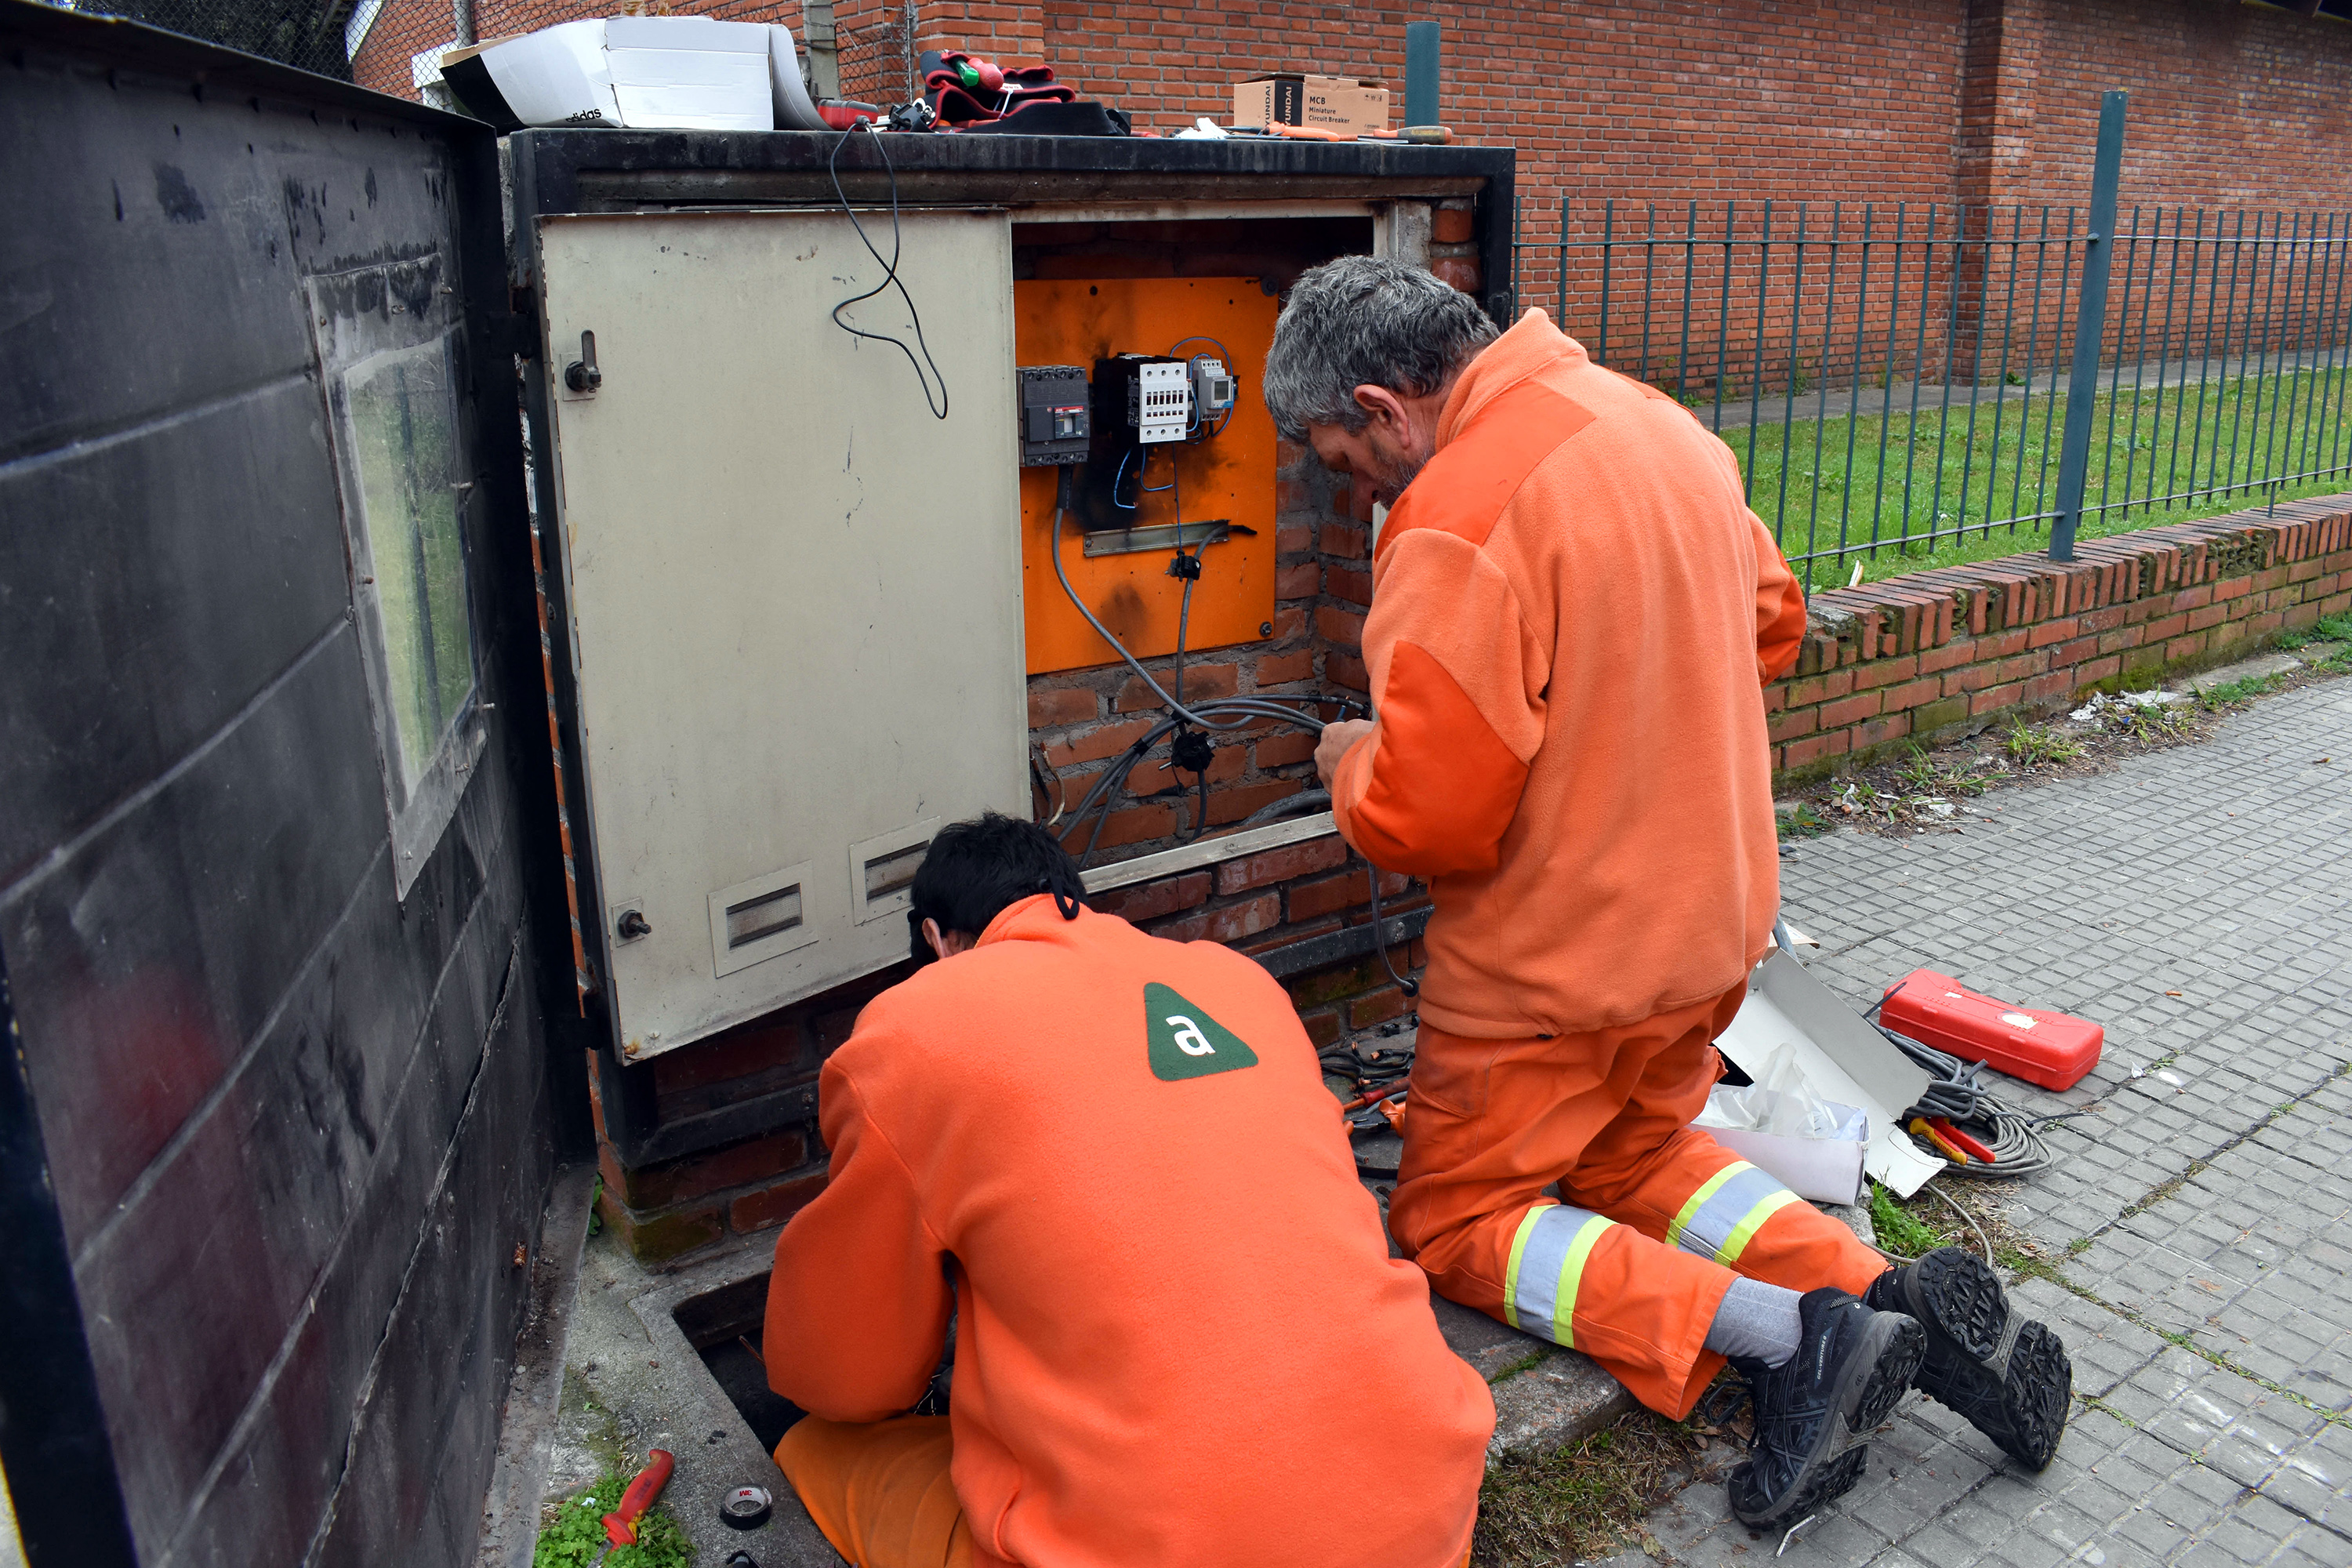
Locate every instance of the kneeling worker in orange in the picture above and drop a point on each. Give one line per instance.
(1572, 611)
(1112, 1157)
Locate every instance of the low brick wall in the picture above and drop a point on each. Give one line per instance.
(1938, 654)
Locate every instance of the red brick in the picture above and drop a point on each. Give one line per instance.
(2165, 630)
(1281, 865)
(1066, 705)
(2235, 588)
(1338, 625)
(1352, 543)
(762, 1210)
(658, 1237)
(1322, 1027)
(1277, 669)
(1294, 539)
(1290, 621)
(1229, 923)
(1349, 583)
(1789, 726)
(1149, 901)
(1450, 225)
(1914, 695)
(1813, 748)
(1233, 805)
(756, 1048)
(2049, 632)
(2210, 616)
(1378, 1008)
(1281, 750)
(1226, 763)
(1995, 696)
(1136, 824)
(1093, 746)
(2096, 670)
(1201, 681)
(1346, 670)
(1886, 672)
(1878, 731)
(1847, 710)
(1303, 581)
(1951, 656)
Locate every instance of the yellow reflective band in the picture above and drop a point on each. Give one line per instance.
(1572, 1274)
(1737, 1242)
(1511, 1274)
(1698, 1199)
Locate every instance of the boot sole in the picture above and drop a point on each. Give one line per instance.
(1872, 1379)
(2008, 1375)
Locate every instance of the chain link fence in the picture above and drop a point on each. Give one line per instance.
(395, 46)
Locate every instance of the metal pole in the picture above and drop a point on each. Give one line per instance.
(2090, 325)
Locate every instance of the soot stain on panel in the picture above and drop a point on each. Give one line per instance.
(174, 195)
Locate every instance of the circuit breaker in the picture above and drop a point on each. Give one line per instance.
(1055, 419)
(1181, 458)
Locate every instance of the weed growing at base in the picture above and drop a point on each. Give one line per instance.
(1899, 1230)
(2031, 746)
(577, 1534)
(1581, 1500)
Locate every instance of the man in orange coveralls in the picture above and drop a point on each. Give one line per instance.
(1112, 1157)
(1571, 614)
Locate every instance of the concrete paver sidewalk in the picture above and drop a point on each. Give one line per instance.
(2199, 902)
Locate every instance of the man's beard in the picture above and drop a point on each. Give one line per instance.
(1392, 475)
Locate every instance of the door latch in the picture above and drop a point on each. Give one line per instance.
(581, 374)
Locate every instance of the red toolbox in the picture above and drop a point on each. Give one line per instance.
(2053, 1049)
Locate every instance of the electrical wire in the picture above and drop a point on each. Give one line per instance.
(890, 278)
(1954, 1094)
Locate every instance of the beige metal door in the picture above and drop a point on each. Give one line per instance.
(795, 594)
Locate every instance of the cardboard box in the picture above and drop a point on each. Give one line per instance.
(1340, 104)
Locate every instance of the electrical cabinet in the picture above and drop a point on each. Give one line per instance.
(797, 645)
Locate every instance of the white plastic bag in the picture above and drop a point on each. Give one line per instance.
(1778, 1124)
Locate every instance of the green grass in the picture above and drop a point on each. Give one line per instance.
(2029, 746)
(1936, 480)
(2330, 628)
(578, 1534)
(1899, 1230)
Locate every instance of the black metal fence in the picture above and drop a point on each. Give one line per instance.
(1897, 379)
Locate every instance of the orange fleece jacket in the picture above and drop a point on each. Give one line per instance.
(1180, 1330)
(1573, 611)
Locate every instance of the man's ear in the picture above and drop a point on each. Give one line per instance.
(1386, 409)
(931, 935)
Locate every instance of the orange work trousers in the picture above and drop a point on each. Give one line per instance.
(1655, 1216)
(880, 1491)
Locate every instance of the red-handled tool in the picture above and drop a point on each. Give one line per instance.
(1973, 1148)
(621, 1525)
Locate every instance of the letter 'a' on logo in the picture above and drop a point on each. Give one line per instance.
(1185, 1041)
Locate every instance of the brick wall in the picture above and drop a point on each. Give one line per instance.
(1938, 653)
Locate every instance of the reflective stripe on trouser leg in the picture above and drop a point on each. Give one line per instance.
(1547, 1263)
(1725, 1214)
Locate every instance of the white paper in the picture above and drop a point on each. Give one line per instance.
(1841, 1056)
(1824, 1169)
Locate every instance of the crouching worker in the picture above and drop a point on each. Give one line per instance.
(1179, 1328)
(1572, 610)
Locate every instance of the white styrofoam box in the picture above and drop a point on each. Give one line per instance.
(690, 73)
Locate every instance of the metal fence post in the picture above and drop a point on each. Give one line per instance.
(2090, 327)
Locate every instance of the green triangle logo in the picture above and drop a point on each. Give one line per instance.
(1185, 1041)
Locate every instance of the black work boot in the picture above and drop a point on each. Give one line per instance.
(1814, 1413)
(2008, 1374)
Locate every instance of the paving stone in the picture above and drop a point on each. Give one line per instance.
(2218, 1208)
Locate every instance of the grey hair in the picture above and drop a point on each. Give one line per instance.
(1365, 320)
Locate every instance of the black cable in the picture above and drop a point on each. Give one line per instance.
(1379, 939)
(1954, 1094)
(889, 273)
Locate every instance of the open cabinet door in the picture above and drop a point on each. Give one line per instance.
(277, 845)
(791, 572)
